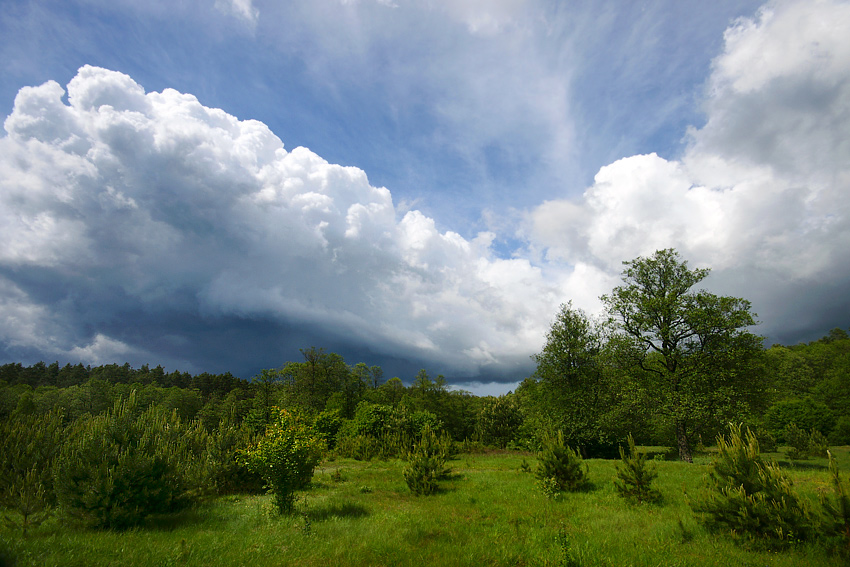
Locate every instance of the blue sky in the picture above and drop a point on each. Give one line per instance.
(465, 167)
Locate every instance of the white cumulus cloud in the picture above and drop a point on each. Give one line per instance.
(176, 207)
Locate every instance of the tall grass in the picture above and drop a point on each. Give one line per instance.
(487, 513)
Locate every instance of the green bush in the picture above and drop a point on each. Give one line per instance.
(750, 498)
(327, 424)
(818, 444)
(499, 421)
(767, 441)
(562, 464)
(635, 476)
(426, 462)
(121, 466)
(361, 447)
(285, 457)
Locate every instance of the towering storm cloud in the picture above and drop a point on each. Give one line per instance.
(126, 213)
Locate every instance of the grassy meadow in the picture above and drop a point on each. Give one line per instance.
(489, 512)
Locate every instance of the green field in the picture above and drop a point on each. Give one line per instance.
(487, 513)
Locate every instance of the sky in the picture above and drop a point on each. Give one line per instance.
(212, 185)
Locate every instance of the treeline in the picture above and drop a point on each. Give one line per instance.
(806, 385)
(321, 383)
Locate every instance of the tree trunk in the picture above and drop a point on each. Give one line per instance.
(682, 441)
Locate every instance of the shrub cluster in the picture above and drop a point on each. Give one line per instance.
(121, 466)
(115, 468)
(380, 431)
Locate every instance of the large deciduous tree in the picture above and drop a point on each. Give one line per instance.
(697, 358)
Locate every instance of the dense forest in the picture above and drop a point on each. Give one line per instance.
(669, 366)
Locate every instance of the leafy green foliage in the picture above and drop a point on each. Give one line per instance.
(635, 476)
(818, 444)
(798, 442)
(751, 498)
(426, 462)
(121, 466)
(805, 413)
(327, 424)
(840, 434)
(285, 457)
(209, 460)
(559, 466)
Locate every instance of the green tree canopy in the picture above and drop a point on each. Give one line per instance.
(691, 348)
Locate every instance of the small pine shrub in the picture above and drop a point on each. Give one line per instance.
(286, 457)
(121, 466)
(752, 499)
(426, 462)
(767, 442)
(29, 445)
(635, 476)
(803, 445)
(798, 442)
(818, 444)
(227, 474)
(559, 462)
(28, 500)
